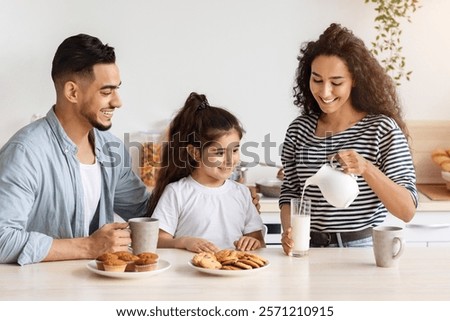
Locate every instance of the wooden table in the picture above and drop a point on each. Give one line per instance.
(326, 274)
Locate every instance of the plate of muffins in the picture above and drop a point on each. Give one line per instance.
(126, 265)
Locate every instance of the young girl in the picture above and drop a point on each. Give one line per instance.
(198, 207)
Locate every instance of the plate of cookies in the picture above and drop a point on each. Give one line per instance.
(126, 265)
(228, 263)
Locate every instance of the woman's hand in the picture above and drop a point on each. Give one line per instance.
(351, 162)
(286, 241)
(396, 198)
(247, 243)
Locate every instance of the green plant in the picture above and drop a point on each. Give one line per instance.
(387, 45)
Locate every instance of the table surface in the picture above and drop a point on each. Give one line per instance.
(327, 274)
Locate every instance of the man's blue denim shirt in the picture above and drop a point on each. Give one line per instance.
(41, 194)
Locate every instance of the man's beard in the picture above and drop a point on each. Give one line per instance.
(99, 126)
(92, 119)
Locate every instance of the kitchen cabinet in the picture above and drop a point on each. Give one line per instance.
(270, 215)
(430, 226)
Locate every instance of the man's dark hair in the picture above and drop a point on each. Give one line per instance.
(78, 54)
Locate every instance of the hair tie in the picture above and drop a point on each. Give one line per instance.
(203, 105)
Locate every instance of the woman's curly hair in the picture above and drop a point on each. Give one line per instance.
(374, 91)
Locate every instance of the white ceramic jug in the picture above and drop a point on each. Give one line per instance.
(338, 189)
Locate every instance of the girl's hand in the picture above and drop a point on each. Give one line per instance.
(286, 241)
(195, 244)
(247, 243)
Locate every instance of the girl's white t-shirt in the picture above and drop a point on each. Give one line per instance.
(221, 215)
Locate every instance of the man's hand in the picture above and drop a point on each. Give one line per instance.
(112, 237)
(255, 197)
(109, 238)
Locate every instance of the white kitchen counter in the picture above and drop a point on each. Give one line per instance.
(428, 205)
(425, 205)
(269, 204)
(326, 274)
(429, 227)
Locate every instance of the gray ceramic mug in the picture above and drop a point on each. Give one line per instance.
(388, 245)
(144, 234)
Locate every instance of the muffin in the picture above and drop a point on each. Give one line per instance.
(148, 255)
(114, 265)
(105, 256)
(145, 264)
(129, 258)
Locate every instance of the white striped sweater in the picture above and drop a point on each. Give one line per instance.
(376, 137)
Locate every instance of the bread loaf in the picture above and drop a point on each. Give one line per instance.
(446, 166)
(441, 157)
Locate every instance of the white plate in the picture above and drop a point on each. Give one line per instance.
(162, 266)
(228, 272)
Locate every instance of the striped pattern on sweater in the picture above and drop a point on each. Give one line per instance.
(376, 137)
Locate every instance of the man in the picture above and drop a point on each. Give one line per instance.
(64, 176)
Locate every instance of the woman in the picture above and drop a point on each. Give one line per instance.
(350, 109)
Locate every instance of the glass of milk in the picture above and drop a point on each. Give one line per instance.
(300, 224)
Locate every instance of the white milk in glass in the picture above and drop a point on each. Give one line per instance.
(300, 234)
(300, 224)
